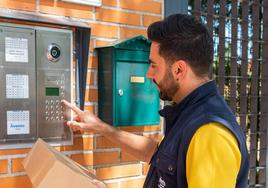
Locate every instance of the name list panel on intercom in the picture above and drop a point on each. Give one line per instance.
(16, 50)
(18, 80)
(17, 86)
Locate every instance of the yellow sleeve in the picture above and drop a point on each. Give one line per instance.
(213, 158)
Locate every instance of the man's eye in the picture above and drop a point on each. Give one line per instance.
(153, 66)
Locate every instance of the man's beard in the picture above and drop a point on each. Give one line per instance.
(167, 86)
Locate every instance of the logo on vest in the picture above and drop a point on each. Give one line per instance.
(161, 183)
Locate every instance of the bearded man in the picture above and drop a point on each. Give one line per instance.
(203, 146)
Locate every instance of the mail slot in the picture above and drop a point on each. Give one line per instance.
(126, 96)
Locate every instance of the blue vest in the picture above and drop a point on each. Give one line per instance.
(202, 106)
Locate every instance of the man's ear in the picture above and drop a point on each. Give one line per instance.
(179, 69)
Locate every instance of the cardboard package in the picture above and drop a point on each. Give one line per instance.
(48, 168)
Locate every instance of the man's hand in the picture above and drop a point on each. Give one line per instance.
(83, 120)
(133, 144)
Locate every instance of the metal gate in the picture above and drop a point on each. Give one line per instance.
(240, 34)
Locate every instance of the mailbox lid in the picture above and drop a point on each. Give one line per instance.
(136, 97)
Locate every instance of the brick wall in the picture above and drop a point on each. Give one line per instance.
(115, 19)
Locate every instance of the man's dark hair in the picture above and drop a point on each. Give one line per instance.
(182, 37)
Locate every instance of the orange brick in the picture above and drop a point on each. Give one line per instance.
(79, 144)
(104, 30)
(91, 95)
(105, 158)
(112, 185)
(118, 171)
(147, 20)
(133, 183)
(90, 78)
(28, 5)
(66, 9)
(141, 128)
(130, 32)
(96, 158)
(117, 16)
(83, 159)
(89, 108)
(142, 5)
(91, 45)
(16, 182)
(16, 165)
(93, 62)
(109, 3)
(100, 43)
(14, 151)
(102, 142)
(125, 157)
(3, 167)
(145, 168)
(87, 133)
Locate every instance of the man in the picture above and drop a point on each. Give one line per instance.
(203, 147)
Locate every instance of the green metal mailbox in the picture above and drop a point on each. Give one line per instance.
(126, 96)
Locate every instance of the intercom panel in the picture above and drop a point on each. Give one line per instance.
(35, 75)
(53, 82)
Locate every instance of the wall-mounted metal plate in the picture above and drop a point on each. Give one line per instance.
(85, 2)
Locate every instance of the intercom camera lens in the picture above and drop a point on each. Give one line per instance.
(55, 52)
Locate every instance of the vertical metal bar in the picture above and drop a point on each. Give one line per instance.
(210, 22)
(244, 67)
(210, 16)
(233, 78)
(264, 94)
(197, 9)
(221, 69)
(254, 94)
(175, 6)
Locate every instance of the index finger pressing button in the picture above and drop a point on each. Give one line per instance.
(73, 107)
